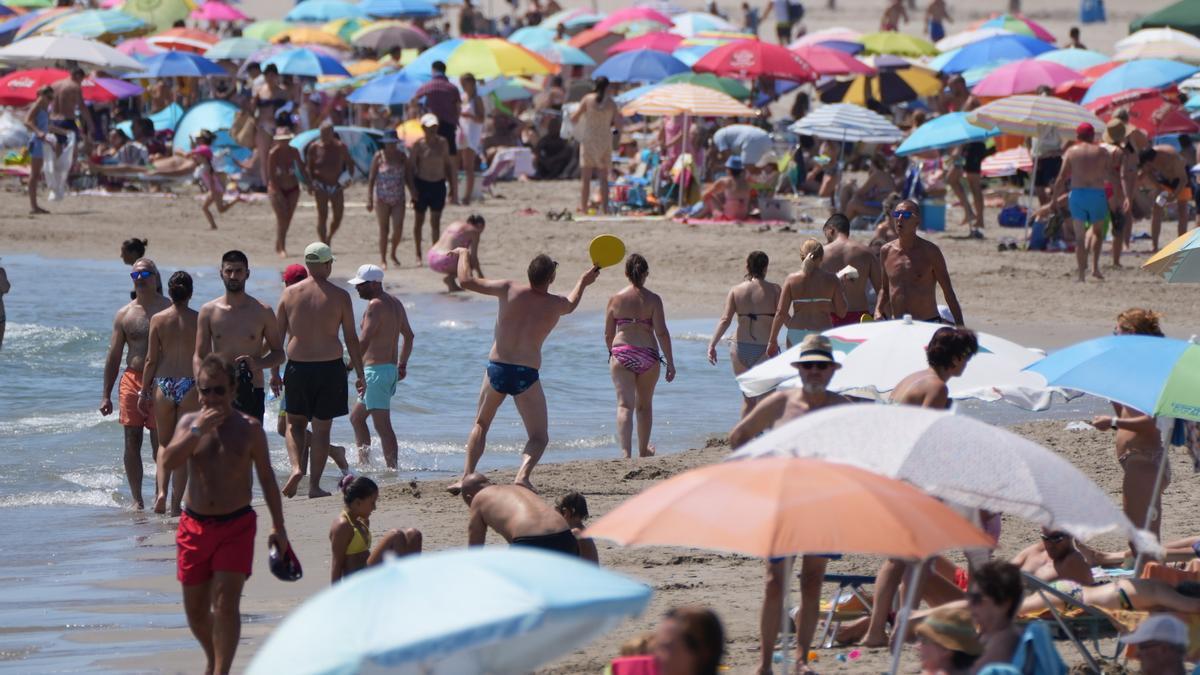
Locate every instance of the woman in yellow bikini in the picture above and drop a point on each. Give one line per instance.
(350, 534)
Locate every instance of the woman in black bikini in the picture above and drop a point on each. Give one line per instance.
(269, 97)
(753, 302)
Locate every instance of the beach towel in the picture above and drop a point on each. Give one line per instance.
(1128, 621)
(57, 168)
(723, 221)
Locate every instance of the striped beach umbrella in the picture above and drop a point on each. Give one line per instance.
(687, 99)
(1026, 115)
(1015, 23)
(482, 57)
(1007, 163)
(1158, 36)
(1173, 51)
(105, 25)
(725, 85)
(888, 87)
(1178, 261)
(849, 123)
(265, 29)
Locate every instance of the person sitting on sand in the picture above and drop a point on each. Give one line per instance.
(689, 641)
(442, 258)
(867, 199)
(1055, 557)
(210, 181)
(753, 302)
(947, 642)
(574, 509)
(391, 174)
(350, 534)
(728, 197)
(635, 330)
(810, 297)
(515, 513)
(912, 267)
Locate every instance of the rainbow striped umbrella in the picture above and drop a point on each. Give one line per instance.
(482, 57)
(266, 29)
(1007, 163)
(687, 99)
(1015, 23)
(105, 25)
(1179, 261)
(1025, 115)
(41, 18)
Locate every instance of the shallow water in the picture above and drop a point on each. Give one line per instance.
(65, 527)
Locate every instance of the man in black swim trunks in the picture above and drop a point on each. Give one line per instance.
(526, 316)
(516, 514)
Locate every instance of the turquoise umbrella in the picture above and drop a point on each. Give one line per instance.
(944, 132)
(322, 11)
(164, 120)
(214, 116)
(1075, 59)
(101, 23)
(532, 37)
(1139, 74)
(565, 55)
(485, 609)
(234, 49)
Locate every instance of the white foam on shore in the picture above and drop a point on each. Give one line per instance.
(102, 498)
(96, 479)
(54, 424)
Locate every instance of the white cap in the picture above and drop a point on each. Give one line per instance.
(1160, 628)
(367, 273)
(429, 120)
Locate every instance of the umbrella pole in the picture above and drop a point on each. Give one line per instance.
(1032, 198)
(683, 146)
(785, 605)
(914, 579)
(1163, 462)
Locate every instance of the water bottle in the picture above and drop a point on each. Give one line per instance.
(1162, 198)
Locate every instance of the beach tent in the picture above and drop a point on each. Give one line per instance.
(164, 120)
(1183, 15)
(360, 141)
(215, 116)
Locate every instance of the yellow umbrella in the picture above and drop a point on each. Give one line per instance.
(410, 132)
(362, 67)
(345, 28)
(888, 87)
(493, 57)
(687, 99)
(309, 36)
(407, 56)
(903, 44)
(161, 14)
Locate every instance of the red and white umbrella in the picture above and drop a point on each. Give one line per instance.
(1007, 163)
(752, 59)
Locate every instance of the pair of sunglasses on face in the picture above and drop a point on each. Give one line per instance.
(903, 215)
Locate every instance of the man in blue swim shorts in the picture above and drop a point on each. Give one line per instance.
(384, 363)
(525, 318)
(1087, 167)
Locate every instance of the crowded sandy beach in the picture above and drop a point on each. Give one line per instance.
(252, 366)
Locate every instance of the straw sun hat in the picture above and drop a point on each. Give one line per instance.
(952, 629)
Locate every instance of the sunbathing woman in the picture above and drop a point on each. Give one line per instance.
(753, 302)
(809, 297)
(350, 534)
(635, 328)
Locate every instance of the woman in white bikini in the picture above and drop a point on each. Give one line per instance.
(809, 298)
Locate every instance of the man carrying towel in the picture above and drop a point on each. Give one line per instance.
(816, 368)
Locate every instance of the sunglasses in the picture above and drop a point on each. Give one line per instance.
(1054, 538)
(815, 365)
(213, 391)
(902, 215)
(141, 274)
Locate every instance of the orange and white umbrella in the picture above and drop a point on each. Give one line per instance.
(687, 99)
(1007, 163)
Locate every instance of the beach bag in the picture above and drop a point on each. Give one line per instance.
(1012, 216)
(244, 130)
(1092, 11)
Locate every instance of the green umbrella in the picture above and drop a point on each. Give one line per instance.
(161, 14)
(722, 84)
(267, 29)
(30, 4)
(235, 49)
(1183, 15)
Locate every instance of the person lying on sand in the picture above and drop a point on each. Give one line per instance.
(515, 513)
(350, 534)
(1181, 550)
(1055, 557)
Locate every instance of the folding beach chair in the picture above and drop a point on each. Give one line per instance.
(1035, 655)
(849, 586)
(1077, 618)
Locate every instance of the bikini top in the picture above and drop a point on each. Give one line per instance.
(360, 542)
(276, 102)
(810, 300)
(753, 316)
(649, 323)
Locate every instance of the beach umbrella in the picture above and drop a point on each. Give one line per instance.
(643, 65)
(509, 88)
(1027, 115)
(832, 34)
(1172, 51)
(533, 37)
(889, 87)
(1150, 111)
(234, 49)
(1181, 17)
(184, 40)
(690, 54)
(551, 22)
(393, 89)
(42, 21)
(391, 36)
(321, 11)
(265, 29)
(1023, 77)
(1178, 261)
(164, 120)
(944, 131)
(217, 12)
(177, 64)
(629, 19)
(724, 85)
(306, 63)
(998, 49)
(365, 67)
(1018, 24)
(752, 59)
(215, 116)
(963, 460)
(11, 25)
(687, 99)
(398, 9)
(305, 35)
(1158, 36)
(1007, 163)
(346, 27)
(876, 356)
(564, 54)
(50, 49)
(527, 608)
(889, 42)
(826, 61)
(482, 57)
(960, 40)
(1142, 74)
(848, 123)
(105, 25)
(1075, 59)
(20, 88)
(659, 41)
(689, 24)
(29, 4)
(159, 13)
(137, 47)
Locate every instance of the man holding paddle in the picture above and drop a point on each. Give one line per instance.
(526, 316)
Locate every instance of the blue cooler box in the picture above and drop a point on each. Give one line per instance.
(933, 216)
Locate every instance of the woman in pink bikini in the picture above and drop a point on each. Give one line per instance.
(635, 329)
(441, 257)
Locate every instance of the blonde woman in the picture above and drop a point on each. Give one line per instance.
(811, 298)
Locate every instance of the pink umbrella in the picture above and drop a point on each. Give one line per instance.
(659, 41)
(835, 34)
(213, 10)
(1023, 77)
(111, 4)
(633, 15)
(828, 61)
(138, 47)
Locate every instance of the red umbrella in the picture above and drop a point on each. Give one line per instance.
(1149, 110)
(184, 40)
(826, 61)
(1073, 90)
(752, 59)
(20, 88)
(658, 41)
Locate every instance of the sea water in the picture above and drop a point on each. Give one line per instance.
(66, 528)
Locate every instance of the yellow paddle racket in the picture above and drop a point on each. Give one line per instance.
(606, 250)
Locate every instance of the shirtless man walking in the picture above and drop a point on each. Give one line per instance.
(168, 381)
(239, 328)
(70, 112)
(816, 366)
(432, 167)
(384, 363)
(1088, 167)
(842, 252)
(526, 316)
(311, 313)
(518, 515)
(327, 158)
(912, 266)
(215, 538)
(131, 328)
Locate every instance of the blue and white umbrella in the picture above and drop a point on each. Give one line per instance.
(994, 50)
(1140, 74)
(641, 65)
(395, 9)
(478, 610)
(306, 63)
(847, 122)
(177, 64)
(943, 132)
(321, 11)
(394, 89)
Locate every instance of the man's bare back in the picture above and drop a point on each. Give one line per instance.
(387, 318)
(513, 512)
(922, 388)
(175, 331)
(525, 318)
(314, 311)
(1089, 165)
(842, 252)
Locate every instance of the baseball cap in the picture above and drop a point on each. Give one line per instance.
(294, 273)
(429, 120)
(735, 163)
(1085, 131)
(318, 252)
(285, 567)
(367, 274)
(1160, 628)
(815, 348)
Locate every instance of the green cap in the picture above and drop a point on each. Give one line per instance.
(318, 252)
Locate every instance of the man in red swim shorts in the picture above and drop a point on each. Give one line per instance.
(215, 539)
